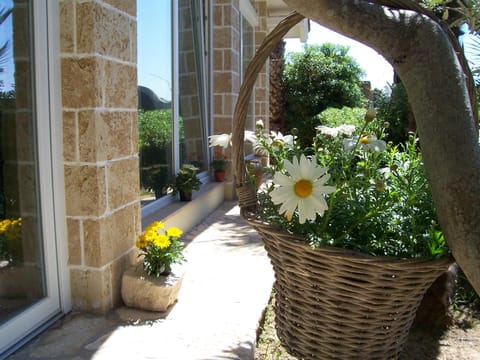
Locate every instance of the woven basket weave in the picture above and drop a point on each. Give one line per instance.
(331, 303)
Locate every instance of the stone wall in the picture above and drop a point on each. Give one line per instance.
(99, 95)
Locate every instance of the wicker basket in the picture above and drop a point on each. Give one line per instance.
(331, 303)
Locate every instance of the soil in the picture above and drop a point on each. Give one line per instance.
(459, 341)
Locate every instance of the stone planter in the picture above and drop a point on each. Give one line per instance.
(150, 293)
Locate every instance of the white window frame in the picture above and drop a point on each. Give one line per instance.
(57, 301)
(158, 204)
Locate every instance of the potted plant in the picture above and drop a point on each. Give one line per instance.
(351, 230)
(186, 181)
(154, 283)
(10, 233)
(219, 164)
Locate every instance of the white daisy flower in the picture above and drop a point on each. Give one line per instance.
(367, 142)
(346, 130)
(327, 130)
(222, 140)
(303, 188)
(225, 140)
(250, 136)
(279, 138)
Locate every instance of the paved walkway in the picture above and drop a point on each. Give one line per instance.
(224, 292)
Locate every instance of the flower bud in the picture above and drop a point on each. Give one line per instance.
(294, 131)
(370, 114)
(259, 124)
(386, 124)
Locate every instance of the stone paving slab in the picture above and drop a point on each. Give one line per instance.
(226, 287)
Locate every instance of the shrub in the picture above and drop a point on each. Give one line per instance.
(321, 76)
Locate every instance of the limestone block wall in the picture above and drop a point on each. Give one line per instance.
(99, 96)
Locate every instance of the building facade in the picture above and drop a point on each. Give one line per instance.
(80, 81)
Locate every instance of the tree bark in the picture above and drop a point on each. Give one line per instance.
(421, 53)
(277, 91)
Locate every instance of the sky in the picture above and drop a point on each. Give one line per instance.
(6, 34)
(154, 49)
(378, 71)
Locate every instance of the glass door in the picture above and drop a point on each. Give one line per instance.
(29, 280)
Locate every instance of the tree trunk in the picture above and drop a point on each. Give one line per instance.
(427, 64)
(277, 92)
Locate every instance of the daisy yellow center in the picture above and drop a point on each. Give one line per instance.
(303, 188)
(364, 140)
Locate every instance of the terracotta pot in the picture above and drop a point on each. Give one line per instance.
(145, 292)
(219, 175)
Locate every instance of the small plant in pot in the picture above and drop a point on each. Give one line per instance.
(186, 181)
(160, 248)
(154, 283)
(219, 165)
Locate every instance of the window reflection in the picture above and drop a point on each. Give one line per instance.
(192, 146)
(157, 142)
(21, 270)
(155, 118)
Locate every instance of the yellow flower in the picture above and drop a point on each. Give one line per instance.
(156, 225)
(150, 235)
(11, 228)
(162, 241)
(4, 225)
(174, 232)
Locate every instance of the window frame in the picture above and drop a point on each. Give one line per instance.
(49, 157)
(204, 177)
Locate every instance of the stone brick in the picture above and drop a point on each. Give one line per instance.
(70, 142)
(81, 82)
(120, 84)
(23, 83)
(229, 101)
(91, 290)
(222, 82)
(128, 6)
(222, 125)
(107, 238)
(103, 31)
(21, 32)
(85, 189)
(96, 248)
(217, 104)
(22, 132)
(118, 267)
(99, 138)
(218, 18)
(123, 182)
(27, 187)
(67, 26)
(223, 38)
(74, 244)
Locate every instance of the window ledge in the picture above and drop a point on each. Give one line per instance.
(186, 214)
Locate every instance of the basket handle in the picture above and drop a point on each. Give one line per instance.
(245, 191)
